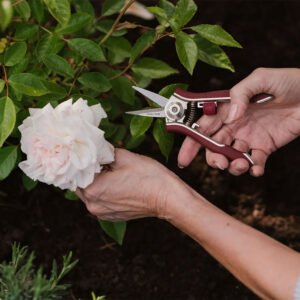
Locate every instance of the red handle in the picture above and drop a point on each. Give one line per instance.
(208, 143)
(219, 96)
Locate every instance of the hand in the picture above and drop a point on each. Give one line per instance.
(135, 187)
(259, 128)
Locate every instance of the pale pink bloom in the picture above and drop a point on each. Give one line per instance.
(139, 10)
(64, 145)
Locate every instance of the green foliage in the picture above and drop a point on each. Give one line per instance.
(19, 279)
(115, 230)
(52, 50)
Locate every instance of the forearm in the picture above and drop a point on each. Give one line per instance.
(266, 266)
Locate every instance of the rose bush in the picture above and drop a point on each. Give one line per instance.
(64, 145)
(53, 50)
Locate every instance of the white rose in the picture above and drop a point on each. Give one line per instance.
(64, 145)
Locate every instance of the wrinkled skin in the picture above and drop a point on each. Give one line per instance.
(261, 128)
(135, 187)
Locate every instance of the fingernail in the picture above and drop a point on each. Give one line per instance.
(180, 166)
(220, 167)
(232, 113)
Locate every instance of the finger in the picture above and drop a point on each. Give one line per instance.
(259, 158)
(240, 165)
(189, 149)
(217, 160)
(257, 82)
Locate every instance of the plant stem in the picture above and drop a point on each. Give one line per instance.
(6, 80)
(17, 2)
(121, 14)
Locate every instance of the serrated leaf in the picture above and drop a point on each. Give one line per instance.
(169, 90)
(95, 81)
(59, 65)
(164, 139)
(119, 46)
(26, 31)
(6, 13)
(153, 68)
(28, 183)
(7, 118)
(77, 22)
(60, 10)
(8, 158)
(139, 125)
(217, 35)
(15, 53)
(122, 88)
(144, 42)
(87, 48)
(23, 10)
(110, 7)
(212, 54)
(48, 44)
(2, 85)
(115, 230)
(187, 51)
(37, 10)
(28, 84)
(184, 12)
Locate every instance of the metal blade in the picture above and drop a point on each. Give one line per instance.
(158, 99)
(154, 112)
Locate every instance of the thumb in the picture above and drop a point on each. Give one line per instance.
(242, 92)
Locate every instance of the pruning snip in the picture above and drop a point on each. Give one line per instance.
(184, 108)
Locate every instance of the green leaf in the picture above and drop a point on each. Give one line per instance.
(15, 53)
(71, 196)
(168, 7)
(28, 84)
(2, 85)
(23, 10)
(105, 25)
(59, 65)
(134, 141)
(217, 35)
(161, 17)
(116, 230)
(164, 139)
(187, 51)
(212, 54)
(84, 6)
(60, 10)
(28, 183)
(139, 125)
(153, 68)
(110, 7)
(87, 48)
(7, 118)
(122, 88)
(144, 42)
(8, 158)
(169, 90)
(37, 10)
(184, 12)
(119, 46)
(95, 81)
(26, 31)
(6, 13)
(77, 22)
(48, 44)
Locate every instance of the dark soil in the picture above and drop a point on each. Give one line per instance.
(157, 261)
